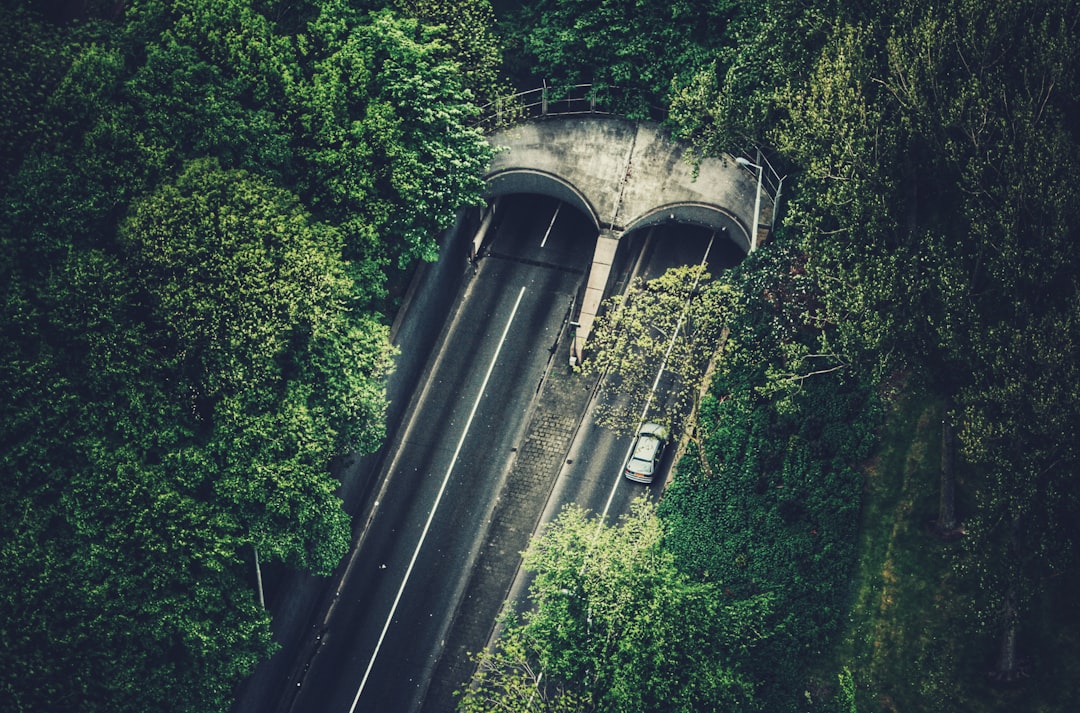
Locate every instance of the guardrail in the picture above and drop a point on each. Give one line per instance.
(563, 101)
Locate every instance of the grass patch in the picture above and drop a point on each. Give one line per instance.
(909, 641)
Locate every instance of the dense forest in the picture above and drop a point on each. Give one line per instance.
(207, 206)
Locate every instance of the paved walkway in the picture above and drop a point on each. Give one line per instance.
(555, 419)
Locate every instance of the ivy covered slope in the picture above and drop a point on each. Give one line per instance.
(201, 203)
(766, 498)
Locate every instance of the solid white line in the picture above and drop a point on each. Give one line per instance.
(615, 485)
(550, 225)
(438, 498)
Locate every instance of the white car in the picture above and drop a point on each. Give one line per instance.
(645, 456)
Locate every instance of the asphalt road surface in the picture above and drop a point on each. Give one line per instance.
(592, 474)
(591, 477)
(444, 471)
(446, 466)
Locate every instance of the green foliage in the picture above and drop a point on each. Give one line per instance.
(766, 500)
(31, 54)
(165, 415)
(252, 297)
(931, 247)
(468, 28)
(1020, 536)
(848, 209)
(213, 83)
(981, 257)
(769, 504)
(845, 700)
(676, 320)
(730, 100)
(122, 582)
(641, 47)
(390, 155)
(201, 203)
(233, 267)
(615, 627)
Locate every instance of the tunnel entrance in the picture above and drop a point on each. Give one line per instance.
(543, 229)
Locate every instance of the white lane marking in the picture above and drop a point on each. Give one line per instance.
(656, 382)
(438, 498)
(550, 225)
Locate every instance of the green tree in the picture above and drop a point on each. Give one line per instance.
(615, 627)
(32, 54)
(166, 415)
(730, 99)
(846, 213)
(642, 48)
(468, 28)
(391, 157)
(940, 252)
(991, 102)
(253, 301)
(675, 321)
(122, 584)
(1021, 535)
(213, 80)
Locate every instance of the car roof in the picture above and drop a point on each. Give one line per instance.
(646, 447)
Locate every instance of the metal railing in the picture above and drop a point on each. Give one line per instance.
(771, 182)
(564, 101)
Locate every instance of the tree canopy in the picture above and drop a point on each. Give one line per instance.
(204, 204)
(616, 627)
(644, 49)
(675, 321)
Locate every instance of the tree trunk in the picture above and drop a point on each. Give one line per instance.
(1009, 667)
(947, 499)
(1006, 666)
(947, 526)
(258, 577)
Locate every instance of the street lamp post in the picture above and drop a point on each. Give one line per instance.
(757, 201)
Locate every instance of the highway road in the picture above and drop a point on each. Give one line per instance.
(445, 468)
(592, 474)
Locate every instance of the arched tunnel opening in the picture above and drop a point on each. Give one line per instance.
(527, 195)
(534, 222)
(531, 205)
(664, 239)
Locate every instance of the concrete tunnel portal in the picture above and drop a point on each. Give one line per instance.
(624, 176)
